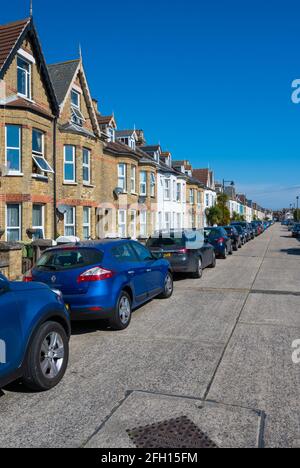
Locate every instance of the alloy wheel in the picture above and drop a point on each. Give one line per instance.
(52, 355)
(168, 284)
(124, 310)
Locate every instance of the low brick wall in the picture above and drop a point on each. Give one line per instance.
(11, 260)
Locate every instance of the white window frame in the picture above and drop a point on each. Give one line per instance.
(143, 223)
(13, 228)
(167, 189)
(122, 177)
(192, 196)
(178, 192)
(123, 224)
(70, 163)
(167, 221)
(77, 106)
(143, 184)
(88, 224)
(42, 228)
(12, 172)
(133, 218)
(86, 166)
(152, 184)
(133, 179)
(73, 225)
(37, 154)
(28, 74)
(199, 198)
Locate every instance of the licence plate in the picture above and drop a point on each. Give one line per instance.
(168, 255)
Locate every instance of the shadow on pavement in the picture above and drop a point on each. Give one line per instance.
(291, 251)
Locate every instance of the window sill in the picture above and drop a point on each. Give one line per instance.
(40, 177)
(70, 183)
(88, 185)
(15, 174)
(26, 98)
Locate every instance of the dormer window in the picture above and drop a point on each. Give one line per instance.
(76, 117)
(111, 134)
(75, 99)
(24, 78)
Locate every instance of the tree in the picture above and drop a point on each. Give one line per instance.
(213, 215)
(297, 215)
(235, 216)
(222, 204)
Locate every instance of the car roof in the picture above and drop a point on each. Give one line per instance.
(99, 244)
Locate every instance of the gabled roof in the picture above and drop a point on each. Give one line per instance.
(151, 149)
(9, 36)
(205, 176)
(62, 76)
(125, 133)
(105, 119)
(12, 36)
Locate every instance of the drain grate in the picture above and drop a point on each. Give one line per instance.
(175, 433)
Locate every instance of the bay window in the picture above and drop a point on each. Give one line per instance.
(13, 222)
(86, 222)
(143, 183)
(86, 166)
(13, 148)
(122, 175)
(70, 216)
(38, 221)
(69, 164)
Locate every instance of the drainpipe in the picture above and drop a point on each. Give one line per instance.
(55, 180)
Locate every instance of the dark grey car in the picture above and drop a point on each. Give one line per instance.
(186, 250)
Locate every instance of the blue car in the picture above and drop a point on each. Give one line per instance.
(34, 335)
(220, 240)
(104, 280)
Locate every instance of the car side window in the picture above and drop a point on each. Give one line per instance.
(3, 284)
(123, 253)
(143, 254)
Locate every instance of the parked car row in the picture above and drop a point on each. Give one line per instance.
(96, 280)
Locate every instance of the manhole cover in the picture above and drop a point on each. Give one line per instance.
(175, 433)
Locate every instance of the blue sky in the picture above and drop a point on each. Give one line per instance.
(208, 79)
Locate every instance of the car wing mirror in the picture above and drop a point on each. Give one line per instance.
(157, 255)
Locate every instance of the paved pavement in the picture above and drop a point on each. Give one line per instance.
(219, 352)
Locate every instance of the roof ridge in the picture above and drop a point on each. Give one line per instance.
(15, 23)
(63, 63)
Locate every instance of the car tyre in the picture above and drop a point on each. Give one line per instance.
(43, 372)
(122, 315)
(214, 261)
(235, 247)
(168, 287)
(224, 256)
(199, 270)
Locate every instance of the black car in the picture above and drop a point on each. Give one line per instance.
(186, 250)
(296, 230)
(218, 237)
(234, 236)
(247, 227)
(242, 232)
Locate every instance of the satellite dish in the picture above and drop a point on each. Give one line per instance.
(118, 191)
(62, 209)
(4, 170)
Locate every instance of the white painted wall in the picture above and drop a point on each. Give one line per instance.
(170, 211)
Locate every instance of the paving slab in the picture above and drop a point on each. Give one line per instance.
(257, 371)
(279, 274)
(197, 315)
(224, 425)
(102, 369)
(272, 309)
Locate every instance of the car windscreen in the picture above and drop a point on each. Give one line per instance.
(189, 239)
(213, 233)
(68, 259)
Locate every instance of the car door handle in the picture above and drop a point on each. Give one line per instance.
(131, 272)
(148, 270)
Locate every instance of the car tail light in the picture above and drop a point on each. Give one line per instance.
(221, 240)
(27, 278)
(95, 274)
(182, 251)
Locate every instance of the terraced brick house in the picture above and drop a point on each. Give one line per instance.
(79, 152)
(28, 112)
(129, 184)
(206, 178)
